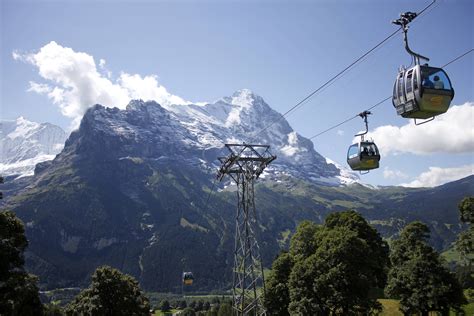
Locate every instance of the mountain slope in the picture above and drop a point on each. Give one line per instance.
(130, 187)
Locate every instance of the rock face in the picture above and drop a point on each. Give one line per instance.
(198, 132)
(24, 144)
(130, 187)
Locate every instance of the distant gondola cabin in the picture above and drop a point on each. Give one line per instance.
(363, 156)
(188, 278)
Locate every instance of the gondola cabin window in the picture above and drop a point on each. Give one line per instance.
(353, 151)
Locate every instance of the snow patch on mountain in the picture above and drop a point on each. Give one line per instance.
(191, 132)
(25, 143)
(196, 132)
(346, 176)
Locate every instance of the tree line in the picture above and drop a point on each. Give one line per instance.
(343, 266)
(338, 268)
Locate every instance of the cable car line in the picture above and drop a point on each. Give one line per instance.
(348, 119)
(328, 82)
(209, 195)
(384, 100)
(377, 155)
(338, 75)
(457, 58)
(426, 8)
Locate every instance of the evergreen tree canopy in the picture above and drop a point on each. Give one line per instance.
(110, 293)
(418, 278)
(18, 289)
(465, 241)
(466, 210)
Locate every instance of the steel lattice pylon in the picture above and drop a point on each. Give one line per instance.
(244, 164)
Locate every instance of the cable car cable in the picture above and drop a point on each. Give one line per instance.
(382, 101)
(349, 119)
(333, 78)
(338, 75)
(459, 57)
(209, 195)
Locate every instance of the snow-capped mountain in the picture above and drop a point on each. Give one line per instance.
(134, 188)
(24, 144)
(198, 132)
(194, 132)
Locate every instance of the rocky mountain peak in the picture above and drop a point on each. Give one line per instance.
(147, 129)
(25, 143)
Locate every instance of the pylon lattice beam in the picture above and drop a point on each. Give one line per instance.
(244, 164)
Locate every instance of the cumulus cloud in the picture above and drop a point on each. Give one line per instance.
(437, 176)
(393, 174)
(75, 83)
(452, 132)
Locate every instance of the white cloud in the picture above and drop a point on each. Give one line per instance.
(452, 132)
(393, 174)
(39, 88)
(340, 132)
(147, 88)
(75, 84)
(437, 176)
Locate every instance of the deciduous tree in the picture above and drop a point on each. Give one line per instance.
(465, 241)
(110, 293)
(418, 278)
(225, 310)
(277, 296)
(165, 306)
(18, 290)
(329, 269)
(188, 311)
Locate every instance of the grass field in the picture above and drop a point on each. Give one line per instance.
(390, 308)
(452, 255)
(160, 313)
(469, 309)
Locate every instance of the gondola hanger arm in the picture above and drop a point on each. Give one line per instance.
(364, 115)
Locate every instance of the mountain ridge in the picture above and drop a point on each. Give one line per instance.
(25, 143)
(130, 189)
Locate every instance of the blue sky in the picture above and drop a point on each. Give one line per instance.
(282, 50)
